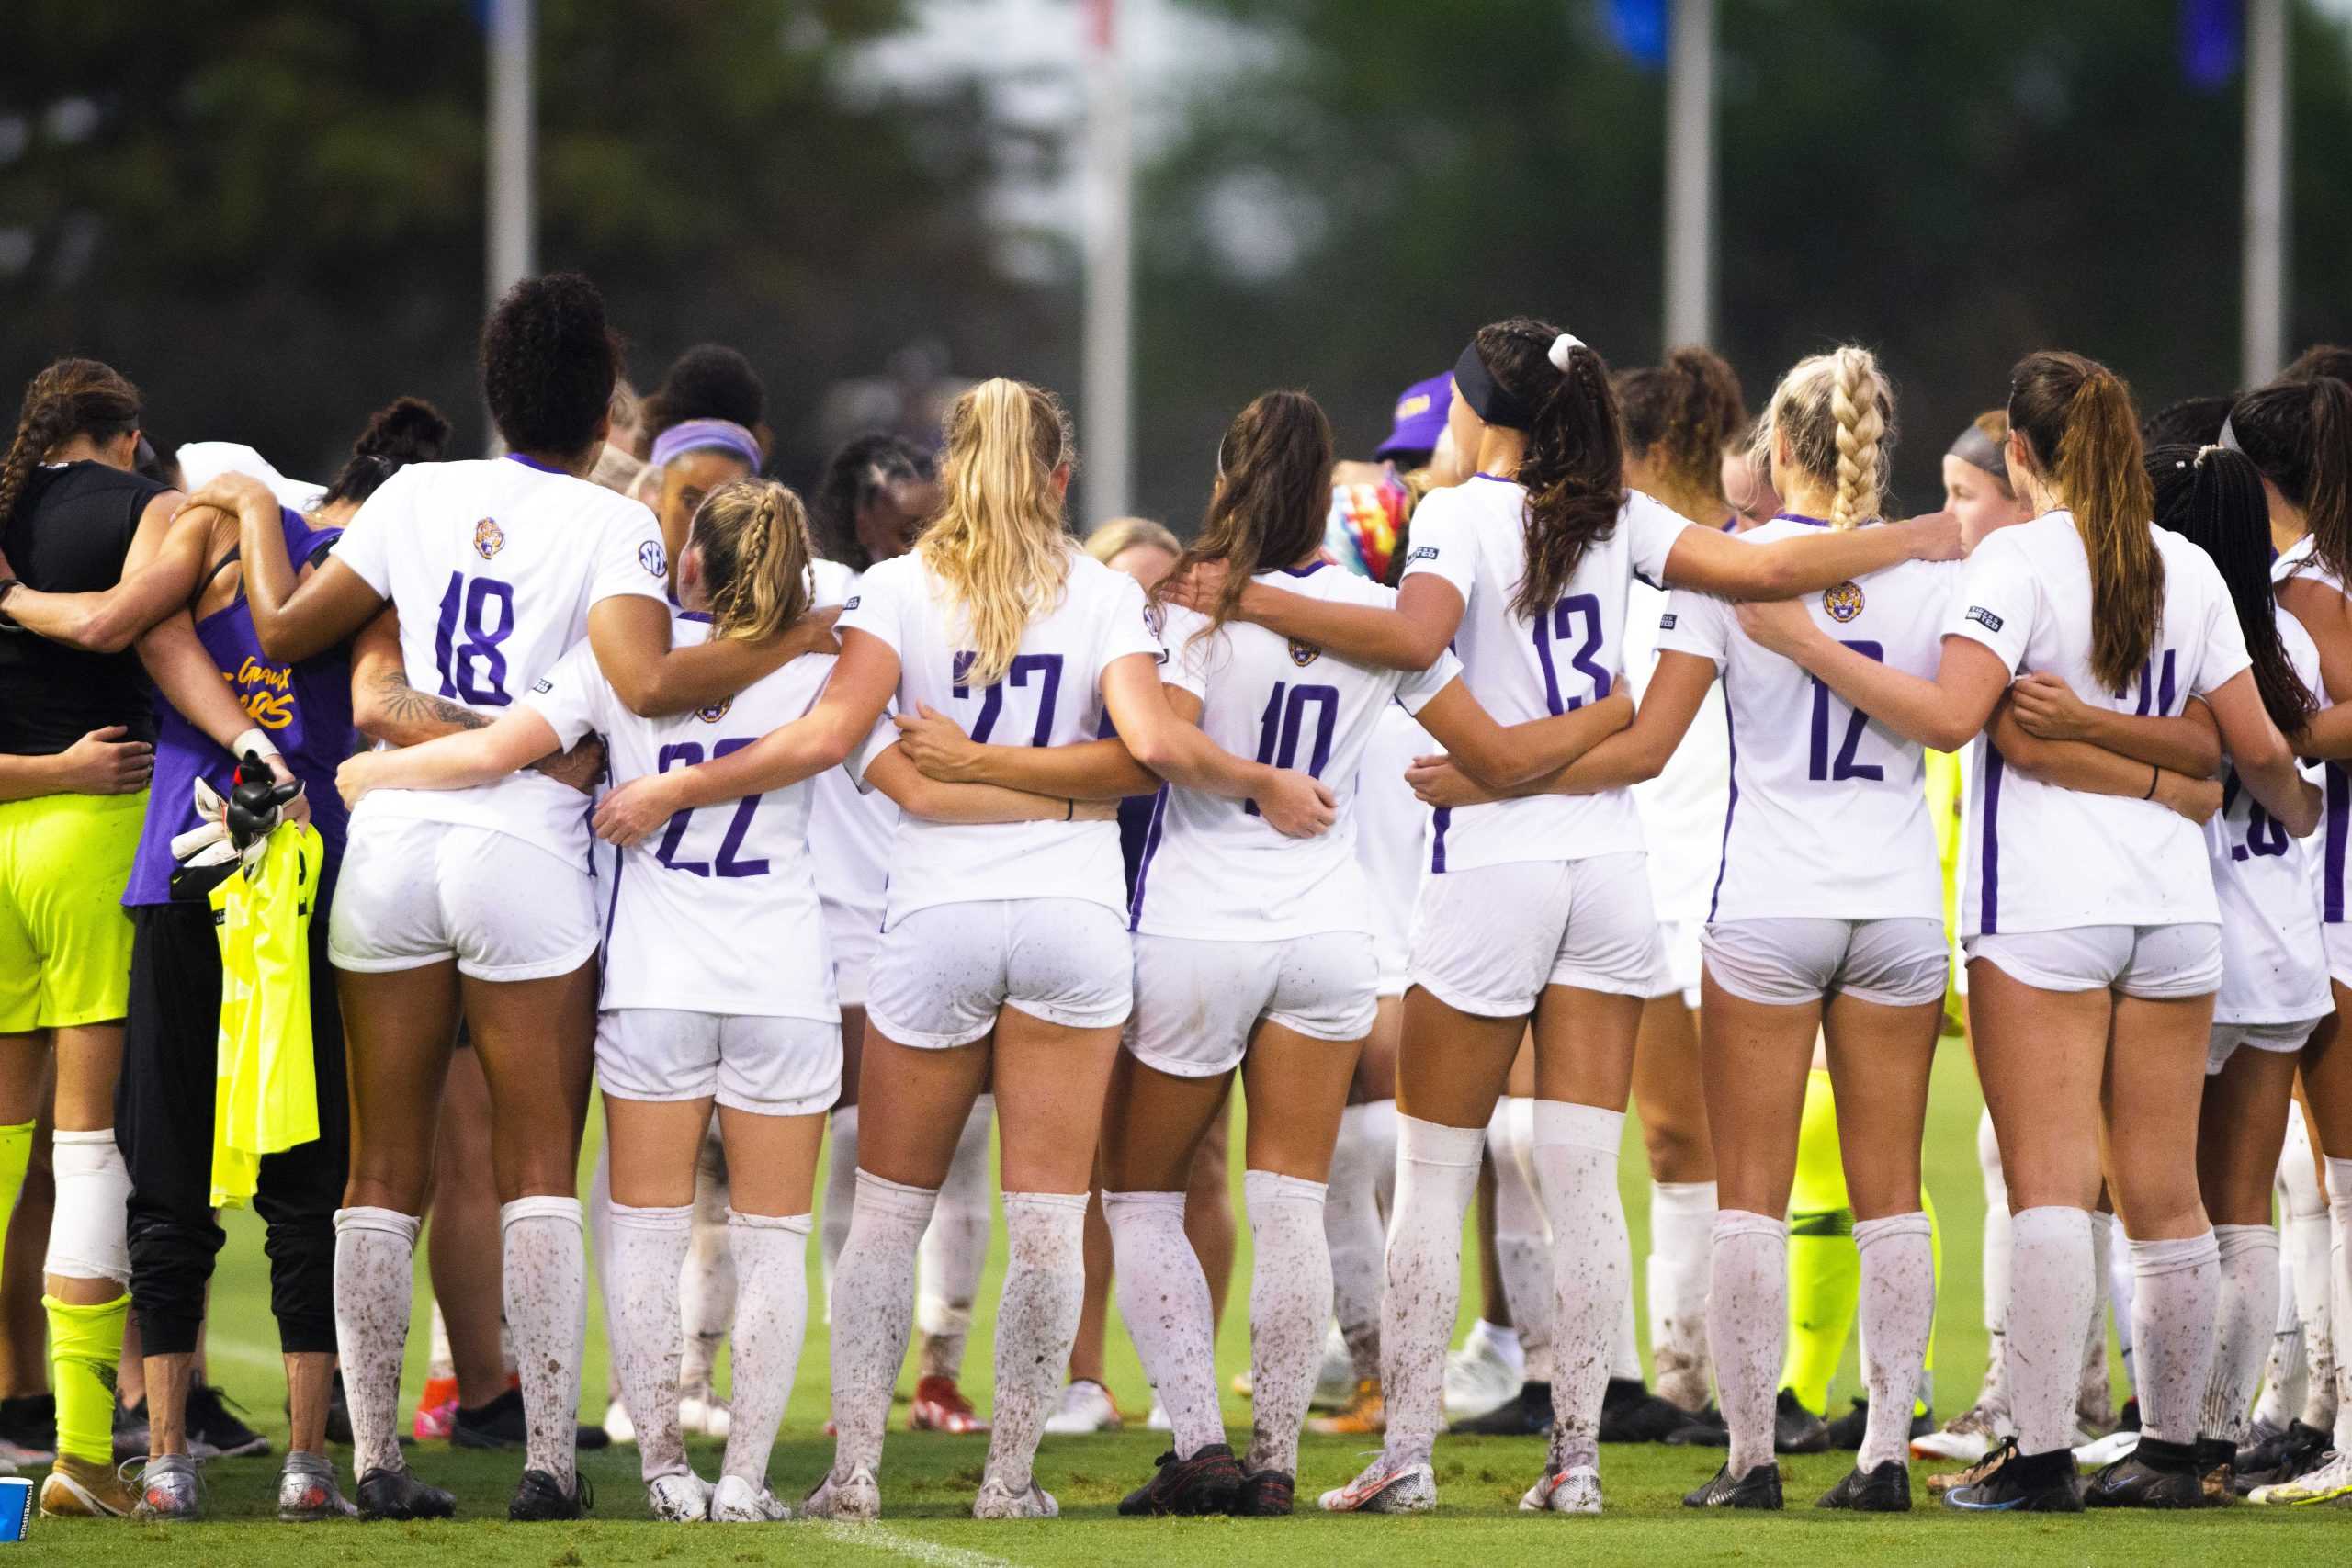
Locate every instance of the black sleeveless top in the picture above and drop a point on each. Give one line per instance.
(73, 527)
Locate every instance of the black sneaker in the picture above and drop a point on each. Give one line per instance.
(28, 1430)
(1208, 1482)
(1630, 1412)
(1796, 1429)
(397, 1494)
(130, 1433)
(1759, 1488)
(2216, 1470)
(1847, 1432)
(2155, 1474)
(212, 1425)
(2127, 1418)
(1264, 1495)
(1885, 1490)
(501, 1423)
(2297, 1451)
(1527, 1414)
(539, 1498)
(1702, 1429)
(2005, 1481)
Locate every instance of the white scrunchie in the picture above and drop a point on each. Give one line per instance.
(1562, 346)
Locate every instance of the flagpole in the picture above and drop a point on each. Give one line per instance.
(2263, 299)
(1691, 174)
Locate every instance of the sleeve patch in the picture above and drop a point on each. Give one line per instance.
(650, 557)
(1985, 617)
(1424, 552)
(1666, 621)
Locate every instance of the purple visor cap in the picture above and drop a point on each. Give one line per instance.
(1420, 416)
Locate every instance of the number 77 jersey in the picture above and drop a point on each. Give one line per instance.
(1213, 868)
(1827, 817)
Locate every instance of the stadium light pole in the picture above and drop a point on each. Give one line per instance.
(1107, 412)
(513, 203)
(1691, 174)
(2263, 299)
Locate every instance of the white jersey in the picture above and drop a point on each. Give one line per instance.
(1827, 815)
(849, 831)
(2335, 827)
(719, 912)
(1213, 868)
(492, 566)
(1522, 669)
(1392, 834)
(1683, 809)
(1051, 696)
(2274, 963)
(2041, 857)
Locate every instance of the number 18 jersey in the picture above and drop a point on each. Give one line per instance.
(1213, 868)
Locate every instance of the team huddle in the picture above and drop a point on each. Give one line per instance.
(1597, 747)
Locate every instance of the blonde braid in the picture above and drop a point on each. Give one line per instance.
(1857, 398)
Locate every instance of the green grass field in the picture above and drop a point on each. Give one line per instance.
(928, 1481)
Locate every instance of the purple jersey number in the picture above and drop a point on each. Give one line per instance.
(686, 754)
(1282, 726)
(1046, 667)
(471, 602)
(1558, 629)
(1844, 767)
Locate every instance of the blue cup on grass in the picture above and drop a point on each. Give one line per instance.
(16, 1507)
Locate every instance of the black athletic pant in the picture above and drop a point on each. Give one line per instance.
(162, 1119)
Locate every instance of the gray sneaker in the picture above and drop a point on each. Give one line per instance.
(307, 1491)
(167, 1489)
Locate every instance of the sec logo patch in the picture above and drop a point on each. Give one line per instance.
(489, 538)
(1843, 603)
(650, 557)
(1304, 653)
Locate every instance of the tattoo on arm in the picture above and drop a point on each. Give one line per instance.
(404, 704)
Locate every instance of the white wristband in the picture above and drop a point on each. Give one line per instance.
(254, 739)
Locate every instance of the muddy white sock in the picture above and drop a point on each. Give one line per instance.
(841, 1196)
(546, 1308)
(1683, 1231)
(1380, 1123)
(707, 1282)
(1290, 1280)
(640, 1274)
(1748, 1318)
(873, 1310)
(1592, 1268)
(2049, 1302)
(1898, 1314)
(1164, 1301)
(1437, 1171)
(2339, 1208)
(1997, 1250)
(2242, 1325)
(2176, 1296)
(2284, 1370)
(1037, 1321)
(375, 1254)
(1522, 1233)
(771, 1324)
(955, 1247)
(2306, 1234)
(1352, 1231)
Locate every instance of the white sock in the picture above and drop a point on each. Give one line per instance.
(2339, 1208)
(1683, 1231)
(1380, 1123)
(1747, 1324)
(1037, 1322)
(1164, 1301)
(2049, 1302)
(1289, 1278)
(874, 1298)
(1996, 1251)
(598, 1207)
(2285, 1373)
(1898, 1312)
(2243, 1327)
(2113, 1287)
(2307, 1237)
(841, 1197)
(706, 1283)
(2176, 1296)
(771, 1324)
(547, 1306)
(1592, 1268)
(1437, 1171)
(375, 1262)
(438, 1361)
(1626, 1339)
(640, 1277)
(955, 1247)
(1352, 1233)
(1523, 1235)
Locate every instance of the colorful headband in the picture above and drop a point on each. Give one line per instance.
(1973, 446)
(707, 435)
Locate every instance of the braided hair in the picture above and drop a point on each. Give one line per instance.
(72, 397)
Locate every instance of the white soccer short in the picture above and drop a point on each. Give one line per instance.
(854, 935)
(2338, 942)
(2155, 964)
(1679, 960)
(1486, 941)
(943, 972)
(1197, 1001)
(767, 1065)
(2284, 1039)
(413, 893)
(1787, 961)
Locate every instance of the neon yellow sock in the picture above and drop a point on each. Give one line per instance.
(84, 1348)
(1824, 1271)
(15, 1152)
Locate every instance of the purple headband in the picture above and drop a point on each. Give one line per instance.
(707, 435)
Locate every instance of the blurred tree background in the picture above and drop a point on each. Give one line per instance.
(269, 212)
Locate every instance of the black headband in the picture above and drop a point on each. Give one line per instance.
(1973, 445)
(1487, 399)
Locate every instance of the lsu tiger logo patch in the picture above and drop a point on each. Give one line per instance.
(489, 538)
(1843, 601)
(1304, 653)
(713, 715)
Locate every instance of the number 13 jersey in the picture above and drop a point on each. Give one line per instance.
(1827, 815)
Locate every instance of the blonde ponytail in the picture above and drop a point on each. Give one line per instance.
(754, 538)
(1837, 412)
(998, 544)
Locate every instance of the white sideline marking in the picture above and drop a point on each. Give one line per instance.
(913, 1548)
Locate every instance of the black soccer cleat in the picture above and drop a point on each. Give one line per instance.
(1702, 1429)
(1759, 1488)
(2005, 1481)
(211, 1424)
(1527, 1414)
(502, 1424)
(2217, 1470)
(1883, 1490)
(2295, 1452)
(538, 1497)
(2155, 1474)
(1264, 1495)
(1847, 1432)
(1796, 1429)
(1208, 1482)
(1630, 1412)
(397, 1494)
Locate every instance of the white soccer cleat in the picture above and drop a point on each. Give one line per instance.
(678, 1499)
(1335, 1381)
(1574, 1491)
(2331, 1482)
(855, 1498)
(2103, 1451)
(734, 1501)
(1386, 1487)
(702, 1414)
(617, 1426)
(1482, 1377)
(1965, 1438)
(1085, 1407)
(998, 1501)
(1158, 1420)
